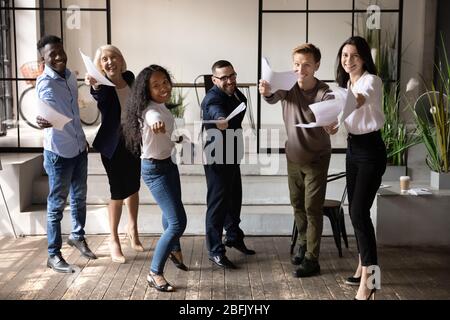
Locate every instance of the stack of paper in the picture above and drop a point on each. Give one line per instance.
(330, 111)
(418, 192)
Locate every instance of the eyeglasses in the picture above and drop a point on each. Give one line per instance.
(226, 78)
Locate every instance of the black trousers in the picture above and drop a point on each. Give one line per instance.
(365, 166)
(224, 201)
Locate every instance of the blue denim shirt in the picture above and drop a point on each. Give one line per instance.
(62, 95)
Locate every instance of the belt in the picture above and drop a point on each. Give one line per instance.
(152, 160)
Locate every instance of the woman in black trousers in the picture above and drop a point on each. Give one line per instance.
(366, 155)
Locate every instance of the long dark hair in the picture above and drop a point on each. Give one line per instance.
(363, 48)
(139, 100)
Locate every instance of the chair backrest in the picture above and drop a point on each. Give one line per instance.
(205, 81)
(337, 176)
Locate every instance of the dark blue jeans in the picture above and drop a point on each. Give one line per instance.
(224, 201)
(163, 180)
(65, 175)
(365, 166)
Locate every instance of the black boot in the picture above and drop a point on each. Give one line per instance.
(307, 268)
(299, 256)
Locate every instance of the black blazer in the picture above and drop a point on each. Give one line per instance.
(218, 104)
(108, 103)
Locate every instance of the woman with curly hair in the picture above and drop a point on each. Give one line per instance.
(149, 123)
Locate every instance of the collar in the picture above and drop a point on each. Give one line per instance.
(54, 75)
(223, 93)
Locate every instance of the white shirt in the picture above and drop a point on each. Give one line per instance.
(369, 117)
(123, 95)
(157, 146)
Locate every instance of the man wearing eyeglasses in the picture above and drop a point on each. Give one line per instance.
(224, 150)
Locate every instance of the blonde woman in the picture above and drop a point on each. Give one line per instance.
(122, 167)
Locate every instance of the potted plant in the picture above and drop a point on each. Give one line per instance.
(177, 107)
(395, 133)
(431, 114)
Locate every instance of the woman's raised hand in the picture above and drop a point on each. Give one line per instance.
(90, 81)
(158, 127)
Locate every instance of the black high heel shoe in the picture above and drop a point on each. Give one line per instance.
(353, 281)
(371, 295)
(179, 264)
(164, 288)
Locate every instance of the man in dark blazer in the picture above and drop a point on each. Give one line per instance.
(223, 150)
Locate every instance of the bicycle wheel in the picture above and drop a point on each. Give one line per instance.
(28, 102)
(89, 112)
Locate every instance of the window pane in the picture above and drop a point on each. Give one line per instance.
(284, 5)
(52, 22)
(100, 4)
(331, 5)
(30, 134)
(76, 28)
(329, 42)
(383, 4)
(25, 4)
(383, 41)
(277, 45)
(8, 128)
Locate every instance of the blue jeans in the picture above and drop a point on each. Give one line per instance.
(64, 175)
(163, 180)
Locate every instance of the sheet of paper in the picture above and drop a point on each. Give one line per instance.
(277, 80)
(419, 192)
(57, 119)
(93, 72)
(331, 111)
(349, 106)
(233, 114)
(325, 112)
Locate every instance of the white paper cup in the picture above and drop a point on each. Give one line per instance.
(404, 184)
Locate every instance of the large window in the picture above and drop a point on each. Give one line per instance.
(327, 24)
(81, 24)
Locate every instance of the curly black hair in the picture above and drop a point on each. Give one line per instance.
(47, 39)
(138, 101)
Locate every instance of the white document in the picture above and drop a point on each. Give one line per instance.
(277, 80)
(93, 72)
(349, 106)
(326, 112)
(335, 110)
(419, 192)
(57, 119)
(233, 114)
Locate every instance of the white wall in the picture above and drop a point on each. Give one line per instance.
(187, 36)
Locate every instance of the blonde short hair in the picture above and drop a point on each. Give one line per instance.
(308, 48)
(108, 47)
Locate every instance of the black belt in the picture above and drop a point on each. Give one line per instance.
(153, 160)
(364, 135)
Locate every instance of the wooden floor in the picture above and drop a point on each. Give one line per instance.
(407, 273)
